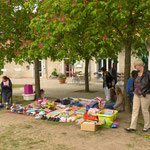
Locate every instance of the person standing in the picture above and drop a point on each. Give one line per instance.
(141, 97)
(130, 85)
(6, 87)
(114, 73)
(107, 82)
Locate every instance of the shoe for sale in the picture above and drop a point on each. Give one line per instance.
(44, 117)
(57, 119)
(146, 130)
(130, 130)
(50, 119)
(53, 119)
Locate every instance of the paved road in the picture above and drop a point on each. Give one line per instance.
(54, 89)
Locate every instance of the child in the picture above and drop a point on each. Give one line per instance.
(118, 105)
(112, 101)
(6, 87)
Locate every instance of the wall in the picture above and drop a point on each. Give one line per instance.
(18, 71)
(48, 66)
(52, 65)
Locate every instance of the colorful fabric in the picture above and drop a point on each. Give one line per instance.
(137, 86)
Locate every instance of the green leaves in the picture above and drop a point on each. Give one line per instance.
(76, 25)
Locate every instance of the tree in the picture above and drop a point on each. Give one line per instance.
(70, 29)
(15, 34)
(129, 22)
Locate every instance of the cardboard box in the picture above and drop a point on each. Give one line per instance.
(89, 127)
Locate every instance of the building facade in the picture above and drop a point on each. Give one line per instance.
(13, 70)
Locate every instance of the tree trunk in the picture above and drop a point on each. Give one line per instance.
(127, 73)
(86, 75)
(37, 79)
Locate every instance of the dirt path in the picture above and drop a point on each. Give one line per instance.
(26, 133)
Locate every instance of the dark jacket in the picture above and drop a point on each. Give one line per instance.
(109, 80)
(6, 89)
(114, 74)
(145, 83)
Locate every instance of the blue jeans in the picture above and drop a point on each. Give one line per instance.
(110, 105)
(6, 96)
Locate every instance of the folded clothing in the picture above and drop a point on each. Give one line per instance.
(93, 110)
(76, 104)
(93, 104)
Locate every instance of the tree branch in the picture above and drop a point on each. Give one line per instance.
(120, 33)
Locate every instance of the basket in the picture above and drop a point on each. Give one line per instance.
(107, 118)
(106, 124)
(90, 117)
(28, 97)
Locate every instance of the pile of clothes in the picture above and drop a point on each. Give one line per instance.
(63, 110)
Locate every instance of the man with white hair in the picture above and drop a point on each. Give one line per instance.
(141, 97)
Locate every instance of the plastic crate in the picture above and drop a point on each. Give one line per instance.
(90, 117)
(106, 124)
(107, 118)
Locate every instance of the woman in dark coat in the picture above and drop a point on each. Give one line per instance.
(6, 87)
(107, 82)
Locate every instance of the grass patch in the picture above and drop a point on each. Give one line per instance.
(140, 124)
(138, 133)
(19, 100)
(17, 85)
(147, 136)
(11, 139)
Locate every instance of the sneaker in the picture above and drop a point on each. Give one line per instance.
(130, 130)
(43, 117)
(146, 130)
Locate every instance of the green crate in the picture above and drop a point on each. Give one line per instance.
(106, 124)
